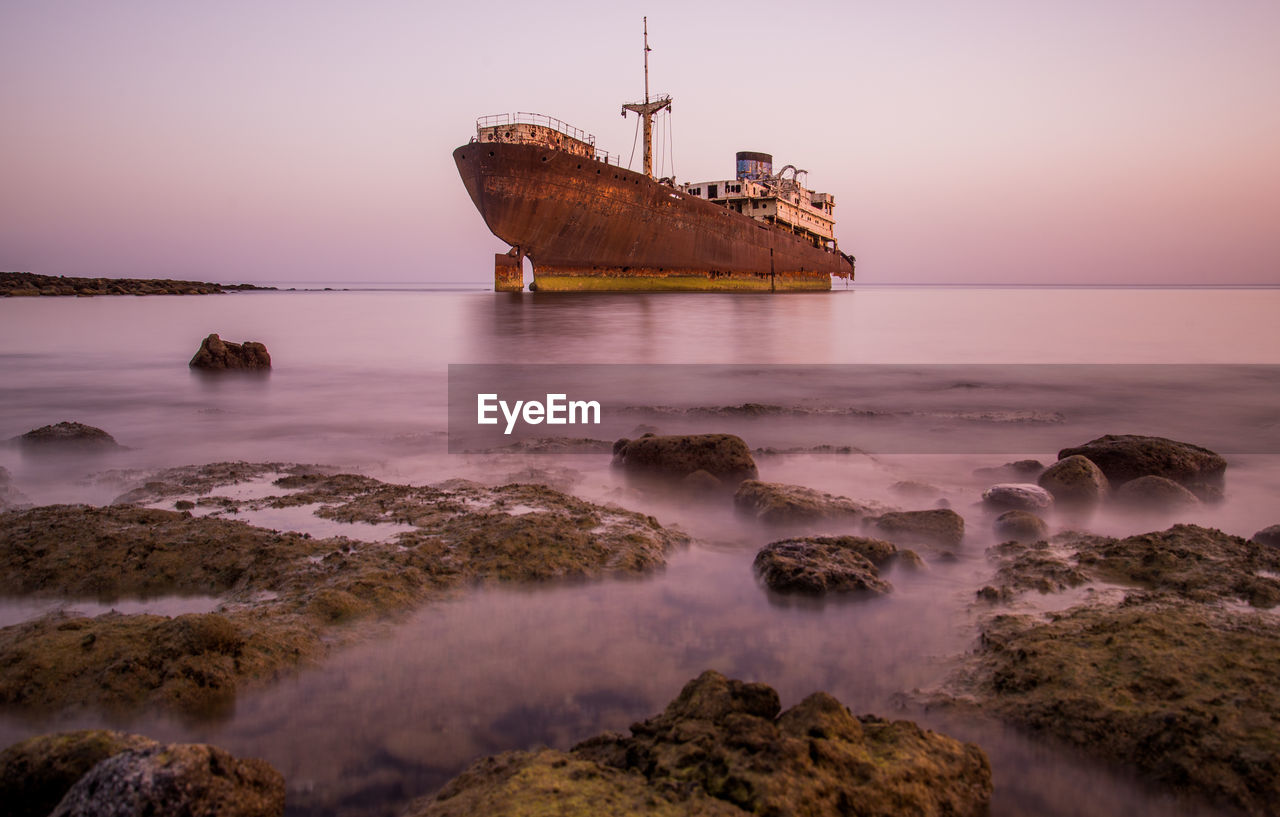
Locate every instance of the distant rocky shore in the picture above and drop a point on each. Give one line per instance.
(30, 284)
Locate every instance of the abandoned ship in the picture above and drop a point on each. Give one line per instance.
(586, 223)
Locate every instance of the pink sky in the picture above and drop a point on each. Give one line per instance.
(1084, 142)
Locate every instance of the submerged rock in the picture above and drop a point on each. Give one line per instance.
(1075, 481)
(1268, 536)
(822, 564)
(10, 496)
(1155, 494)
(1018, 470)
(914, 489)
(216, 353)
(65, 436)
(37, 772)
(287, 597)
(178, 779)
(776, 503)
(1123, 457)
(722, 748)
(1020, 496)
(1022, 526)
(938, 526)
(723, 456)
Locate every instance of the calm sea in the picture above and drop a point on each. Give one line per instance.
(896, 374)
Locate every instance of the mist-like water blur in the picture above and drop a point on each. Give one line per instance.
(360, 382)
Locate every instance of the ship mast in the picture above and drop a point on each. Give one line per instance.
(648, 108)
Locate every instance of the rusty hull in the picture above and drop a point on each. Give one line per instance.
(588, 225)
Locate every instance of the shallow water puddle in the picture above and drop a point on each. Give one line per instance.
(16, 611)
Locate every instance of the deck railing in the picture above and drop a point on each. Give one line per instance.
(542, 120)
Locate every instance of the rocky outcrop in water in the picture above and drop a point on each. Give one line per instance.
(1165, 673)
(938, 526)
(1123, 457)
(1017, 496)
(724, 748)
(287, 597)
(829, 564)
(1075, 481)
(776, 503)
(66, 436)
(1018, 470)
(723, 456)
(216, 354)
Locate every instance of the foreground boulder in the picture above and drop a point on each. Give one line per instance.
(1075, 481)
(67, 436)
(776, 503)
(723, 456)
(1123, 457)
(218, 354)
(177, 779)
(722, 748)
(825, 564)
(939, 526)
(1018, 496)
(37, 772)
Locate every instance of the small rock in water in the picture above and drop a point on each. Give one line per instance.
(1124, 457)
(1268, 536)
(1021, 469)
(66, 436)
(842, 564)
(912, 488)
(1022, 526)
(723, 456)
(776, 503)
(1075, 481)
(217, 354)
(1155, 493)
(939, 526)
(702, 482)
(1021, 496)
(194, 779)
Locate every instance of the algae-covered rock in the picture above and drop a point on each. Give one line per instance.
(937, 526)
(37, 772)
(217, 354)
(1020, 496)
(1123, 457)
(1184, 692)
(1155, 494)
(67, 436)
(722, 748)
(1196, 563)
(723, 456)
(1022, 526)
(776, 503)
(1075, 481)
(1037, 566)
(176, 779)
(288, 597)
(822, 564)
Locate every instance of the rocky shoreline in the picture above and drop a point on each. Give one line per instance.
(30, 284)
(1156, 651)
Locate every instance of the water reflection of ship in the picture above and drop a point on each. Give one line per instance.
(586, 223)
